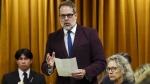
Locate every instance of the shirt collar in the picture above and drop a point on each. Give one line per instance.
(21, 72)
(73, 30)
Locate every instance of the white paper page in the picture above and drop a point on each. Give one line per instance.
(66, 66)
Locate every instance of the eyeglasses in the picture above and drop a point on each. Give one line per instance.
(112, 69)
(62, 16)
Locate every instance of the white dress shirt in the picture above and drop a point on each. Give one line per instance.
(21, 76)
(72, 34)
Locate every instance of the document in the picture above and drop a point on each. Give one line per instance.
(66, 66)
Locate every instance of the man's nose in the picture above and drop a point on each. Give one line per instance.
(23, 61)
(66, 17)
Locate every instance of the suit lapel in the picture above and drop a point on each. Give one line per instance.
(16, 77)
(76, 39)
(31, 76)
(61, 38)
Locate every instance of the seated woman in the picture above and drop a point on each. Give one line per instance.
(104, 73)
(119, 71)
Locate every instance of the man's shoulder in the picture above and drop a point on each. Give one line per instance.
(36, 73)
(86, 29)
(56, 33)
(10, 74)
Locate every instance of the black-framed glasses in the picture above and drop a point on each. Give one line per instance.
(112, 69)
(62, 16)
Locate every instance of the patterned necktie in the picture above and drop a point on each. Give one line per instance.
(25, 80)
(69, 44)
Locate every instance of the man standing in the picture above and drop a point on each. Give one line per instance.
(74, 40)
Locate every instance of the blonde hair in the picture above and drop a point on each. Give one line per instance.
(141, 69)
(144, 78)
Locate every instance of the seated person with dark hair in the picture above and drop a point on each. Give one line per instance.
(125, 55)
(24, 75)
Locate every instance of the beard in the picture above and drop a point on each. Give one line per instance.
(68, 25)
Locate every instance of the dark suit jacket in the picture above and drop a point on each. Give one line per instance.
(87, 49)
(107, 80)
(13, 78)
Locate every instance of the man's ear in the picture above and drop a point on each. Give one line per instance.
(17, 61)
(75, 14)
(31, 61)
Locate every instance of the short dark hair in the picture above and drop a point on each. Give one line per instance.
(68, 3)
(24, 51)
(126, 55)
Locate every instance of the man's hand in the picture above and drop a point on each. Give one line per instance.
(50, 60)
(79, 74)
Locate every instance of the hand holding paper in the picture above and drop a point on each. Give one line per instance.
(79, 74)
(66, 66)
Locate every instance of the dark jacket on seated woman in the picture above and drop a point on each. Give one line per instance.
(106, 80)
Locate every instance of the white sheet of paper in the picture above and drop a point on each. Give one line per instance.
(66, 66)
